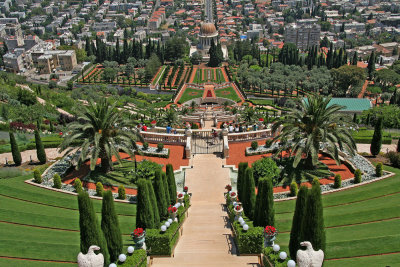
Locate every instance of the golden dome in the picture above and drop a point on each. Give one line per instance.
(207, 28)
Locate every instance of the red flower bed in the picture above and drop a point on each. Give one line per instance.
(269, 230)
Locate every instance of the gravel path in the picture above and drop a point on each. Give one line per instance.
(26, 155)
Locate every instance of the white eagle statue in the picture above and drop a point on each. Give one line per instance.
(309, 257)
(91, 259)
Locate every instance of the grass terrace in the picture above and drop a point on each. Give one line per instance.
(229, 93)
(190, 94)
(209, 75)
(364, 136)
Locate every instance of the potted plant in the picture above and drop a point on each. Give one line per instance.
(138, 236)
(233, 196)
(270, 233)
(238, 209)
(172, 212)
(185, 189)
(153, 123)
(228, 187)
(180, 197)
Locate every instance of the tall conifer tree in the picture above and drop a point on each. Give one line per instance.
(295, 232)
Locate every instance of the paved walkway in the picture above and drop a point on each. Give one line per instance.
(366, 148)
(207, 238)
(26, 155)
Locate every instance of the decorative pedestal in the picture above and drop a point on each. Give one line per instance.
(269, 240)
(140, 242)
(173, 216)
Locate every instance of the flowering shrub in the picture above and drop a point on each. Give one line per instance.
(261, 119)
(21, 126)
(172, 209)
(270, 230)
(233, 194)
(238, 207)
(228, 187)
(138, 232)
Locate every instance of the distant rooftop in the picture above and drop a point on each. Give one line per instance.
(351, 104)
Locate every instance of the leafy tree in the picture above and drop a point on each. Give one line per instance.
(265, 168)
(240, 178)
(175, 48)
(159, 189)
(249, 192)
(90, 232)
(109, 74)
(40, 152)
(346, 76)
(144, 210)
(26, 97)
(152, 66)
(16, 154)
(376, 142)
(94, 132)
(171, 183)
(313, 221)
(264, 213)
(110, 226)
(299, 212)
(315, 121)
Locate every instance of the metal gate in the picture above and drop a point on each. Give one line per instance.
(206, 142)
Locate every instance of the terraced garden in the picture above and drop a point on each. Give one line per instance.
(209, 75)
(190, 94)
(42, 224)
(228, 93)
(359, 222)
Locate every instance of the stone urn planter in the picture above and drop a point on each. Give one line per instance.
(233, 196)
(139, 237)
(238, 209)
(181, 197)
(185, 189)
(172, 213)
(270, 234)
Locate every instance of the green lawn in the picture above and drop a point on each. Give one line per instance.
(365, 137)
(30, 210)
(374, 209)
(120, 175)
(263, 102)
(190, 94)
(19, 263)
(229, 93)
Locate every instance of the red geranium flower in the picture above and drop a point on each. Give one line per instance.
(233, 194)
(185, 188)
(260, 119)
(228, 187)
(238, 207)
(138, 232)
(171, 209)
(153, 122)
(269, 230)
(180, 195)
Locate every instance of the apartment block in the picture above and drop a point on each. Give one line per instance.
(303, 36)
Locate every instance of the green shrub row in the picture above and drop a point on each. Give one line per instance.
(137, 259)
(247, 242)
(272, 258)
(367, 140)
(160, 243)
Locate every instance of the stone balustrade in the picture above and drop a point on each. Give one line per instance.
(249, 136)
(164, 138)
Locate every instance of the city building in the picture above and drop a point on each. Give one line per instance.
(303, 35)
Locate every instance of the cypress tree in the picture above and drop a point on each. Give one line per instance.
(160, 195)
(166, 188)
(144, 212)
(154, 205)
(171, 184)
(398, 145)
(249, 194)
(242, 167)
(371, 65)
(15, 150)
(41, 153)
(90, 231)
(110, 226)
(264, 213)
(376, 142)
(295, 233)
(313, 220)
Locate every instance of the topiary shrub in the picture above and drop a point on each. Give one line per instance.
(293, 189)
(99, 189)
(268, 143)
(160, 147)
(57, 181)
(379, 169)
(121, 192)
(145, 146)
(394, 159)
(338, 181)
(37, 177)
(78, 185)
(254, 145)
(357, 176)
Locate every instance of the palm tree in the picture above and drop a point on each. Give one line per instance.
(101, 132)
(170, 117)
(313, 123)
(248, 115)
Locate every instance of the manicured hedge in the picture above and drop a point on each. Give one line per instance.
(247, 242)
(138, 258)
(160, 243)
(271, 258)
